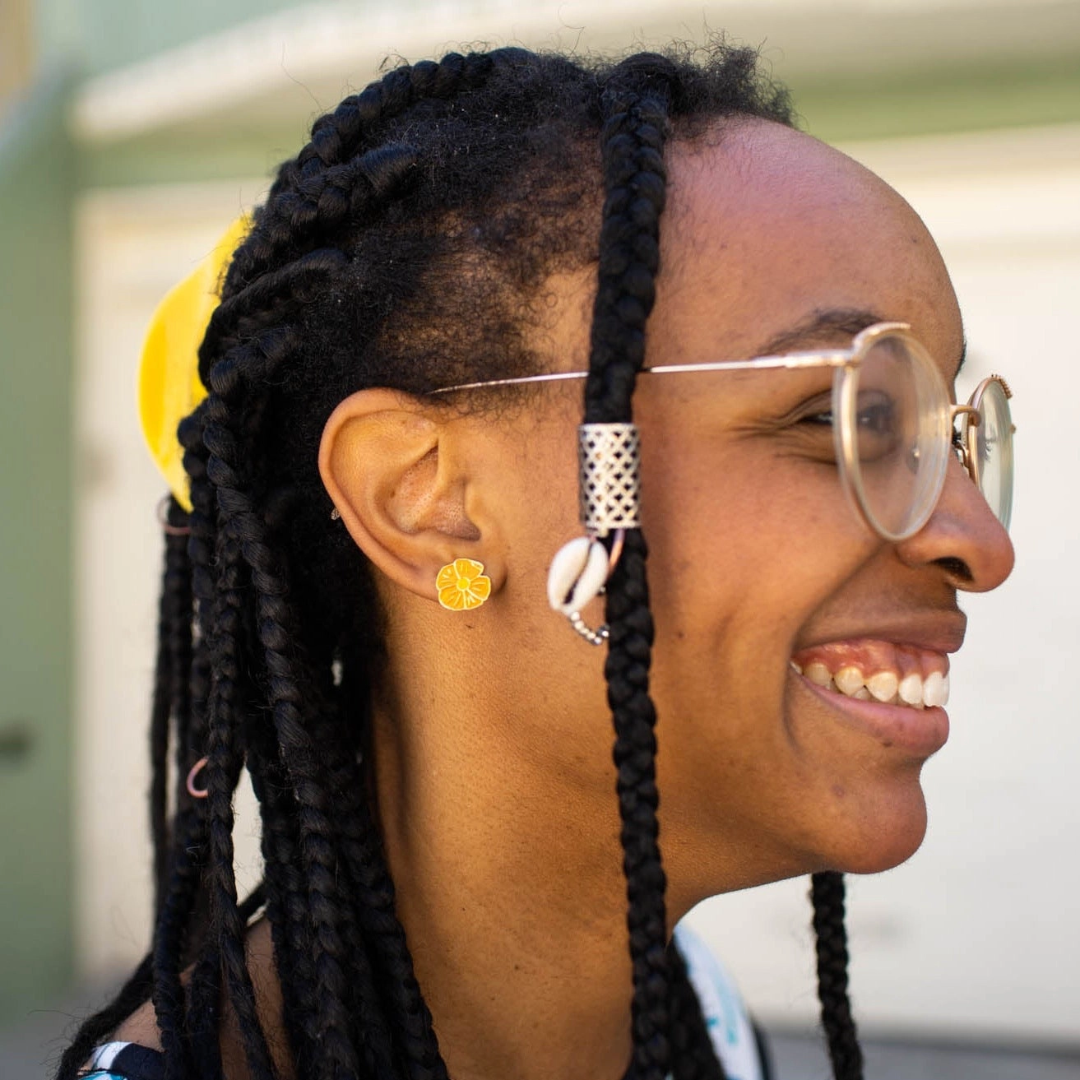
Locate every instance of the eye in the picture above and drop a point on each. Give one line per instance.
(876, 415)
(807, 429)
(814, 412)
(820, 419)
(880, 423)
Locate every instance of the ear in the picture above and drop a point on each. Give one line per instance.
(398, 473)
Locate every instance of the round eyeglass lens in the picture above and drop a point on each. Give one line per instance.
(894, 416)
(992, 457)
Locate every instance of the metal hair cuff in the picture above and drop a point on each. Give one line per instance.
(609, 477)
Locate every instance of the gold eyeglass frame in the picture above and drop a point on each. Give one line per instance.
(844, 397)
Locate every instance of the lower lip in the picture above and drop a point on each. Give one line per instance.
(920, 732)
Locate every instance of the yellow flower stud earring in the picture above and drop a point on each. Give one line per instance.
(462, 585)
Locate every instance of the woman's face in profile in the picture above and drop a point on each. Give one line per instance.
(759, 558)
(773, 242)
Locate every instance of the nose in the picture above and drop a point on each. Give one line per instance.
(962, 537)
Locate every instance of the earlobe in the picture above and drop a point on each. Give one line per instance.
(402, 492)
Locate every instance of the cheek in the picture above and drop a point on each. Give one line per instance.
(743, 553)
(746, 546)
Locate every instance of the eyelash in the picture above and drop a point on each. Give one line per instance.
(816, 411)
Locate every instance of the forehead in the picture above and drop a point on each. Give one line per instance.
(767, 227)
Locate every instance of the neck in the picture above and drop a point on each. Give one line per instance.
(510, 887)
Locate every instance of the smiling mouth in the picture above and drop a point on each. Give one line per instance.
(881, 671)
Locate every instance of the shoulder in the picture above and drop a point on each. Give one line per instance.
(733, 1035)
(139, 1028)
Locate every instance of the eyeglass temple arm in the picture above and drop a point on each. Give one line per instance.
(791, 361)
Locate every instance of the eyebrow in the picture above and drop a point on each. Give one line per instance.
(832, 323)
(822, 325)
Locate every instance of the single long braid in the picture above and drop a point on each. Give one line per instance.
(173, 928)
(170, 702)
(160, 716)
(224, 761)
(632, 141)
(827, 895)
(692, 1052)
(286, 903)
(170, 938)
(177, 582)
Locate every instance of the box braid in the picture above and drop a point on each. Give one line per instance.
(634, 110)
(170, 680)
(402, 247)
(827, 895)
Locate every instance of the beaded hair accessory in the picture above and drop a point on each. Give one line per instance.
(609, 469)
(609, 465)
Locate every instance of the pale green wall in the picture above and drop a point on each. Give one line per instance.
(955, 97)
(103, 34)
(36, 188)
(959, 98)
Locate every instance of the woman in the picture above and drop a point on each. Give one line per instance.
(378, 483)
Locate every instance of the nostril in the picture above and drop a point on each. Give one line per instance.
(957, 569)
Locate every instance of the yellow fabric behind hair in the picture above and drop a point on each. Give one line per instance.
(169, 383)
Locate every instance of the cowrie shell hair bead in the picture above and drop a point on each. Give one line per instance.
(577, 574)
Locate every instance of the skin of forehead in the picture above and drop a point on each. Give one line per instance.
(771, 226)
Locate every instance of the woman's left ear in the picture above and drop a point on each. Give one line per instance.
(407, 489)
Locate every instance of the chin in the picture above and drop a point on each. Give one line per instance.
(879, 836)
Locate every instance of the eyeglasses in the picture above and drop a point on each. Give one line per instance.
(893, 425)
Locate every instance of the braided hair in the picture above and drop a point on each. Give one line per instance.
(480, 169)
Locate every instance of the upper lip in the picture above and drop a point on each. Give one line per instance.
(941, 632)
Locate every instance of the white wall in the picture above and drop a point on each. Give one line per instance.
(978, 932)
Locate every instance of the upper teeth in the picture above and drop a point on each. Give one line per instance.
(885, 686)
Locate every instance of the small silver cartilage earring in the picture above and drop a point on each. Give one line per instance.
(335, 514)
(608, 481)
